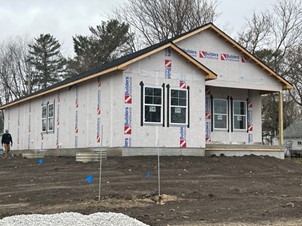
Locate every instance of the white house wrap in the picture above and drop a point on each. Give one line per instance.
(191, 95)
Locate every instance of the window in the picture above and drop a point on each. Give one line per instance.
(178, 106)
(220, 114)
(44, 118)
(299, 143)
(239, 115)
(48, 117)
(153, 105)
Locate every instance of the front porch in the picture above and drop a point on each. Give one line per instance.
(217, 149)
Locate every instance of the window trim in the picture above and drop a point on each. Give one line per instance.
(44, 118)
(242, 115)
(171, 106)
(144, 105)
(48, 117)
(226, 114)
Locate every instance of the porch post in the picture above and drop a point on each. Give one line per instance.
(280, 118)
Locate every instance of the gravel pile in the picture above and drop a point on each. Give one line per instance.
(71, 219)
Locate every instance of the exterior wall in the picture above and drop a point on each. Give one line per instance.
(253, 134)
(234, 70)
(82, 110)
(153, 72)
(80, 113)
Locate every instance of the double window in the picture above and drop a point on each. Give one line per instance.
(48, 117)
(154, 105)
(221, 114)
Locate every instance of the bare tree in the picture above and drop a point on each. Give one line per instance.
(276, 38)
(14, 69)
(278, 31)
(157, 20)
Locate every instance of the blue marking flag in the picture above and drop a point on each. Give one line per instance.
(148, 174)
(40, 161)
(89, 179)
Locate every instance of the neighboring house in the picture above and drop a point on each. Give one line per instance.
(196, 94)
(293, 137)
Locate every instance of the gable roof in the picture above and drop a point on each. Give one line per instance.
(121, 63)
(210, 26)
(294, 130)
(116, 65)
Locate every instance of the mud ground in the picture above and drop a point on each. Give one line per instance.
(246, 190)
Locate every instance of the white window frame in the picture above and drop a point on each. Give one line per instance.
(153, 105)
(243, 116)
(299, 143)
(44, 118)
(221, 114)
(178, 106)
(48, 117)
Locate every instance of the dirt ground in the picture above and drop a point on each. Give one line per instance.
(195, 190)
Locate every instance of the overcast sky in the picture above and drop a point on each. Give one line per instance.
(66, 18)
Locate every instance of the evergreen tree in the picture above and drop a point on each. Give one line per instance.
(48, 64)
(107, 42)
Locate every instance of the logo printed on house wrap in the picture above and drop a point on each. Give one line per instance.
(58, 97)
(182, 84)
(229, 57)
(208, 131)
(183, 137)
(76, 122)
(250, 116)
(99, 81)
(98, 129)
(250, 127)
(76, 141)
(250, 120)
(58, 115)
(208, 91)
(128, 90)
(168, 63)
(208, 55)
(58, 139)
(250, 138)
(127, 120)
(77, 97)
(29, 122)
(208, 104)
(244, 59)
(98, 107)
(127, 142)
(168, 73)
(208, 115)
(190, 52)
(168, 52)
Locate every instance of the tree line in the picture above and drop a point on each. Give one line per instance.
(27, 66)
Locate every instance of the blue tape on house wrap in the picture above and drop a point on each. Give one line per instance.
(89, 179)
